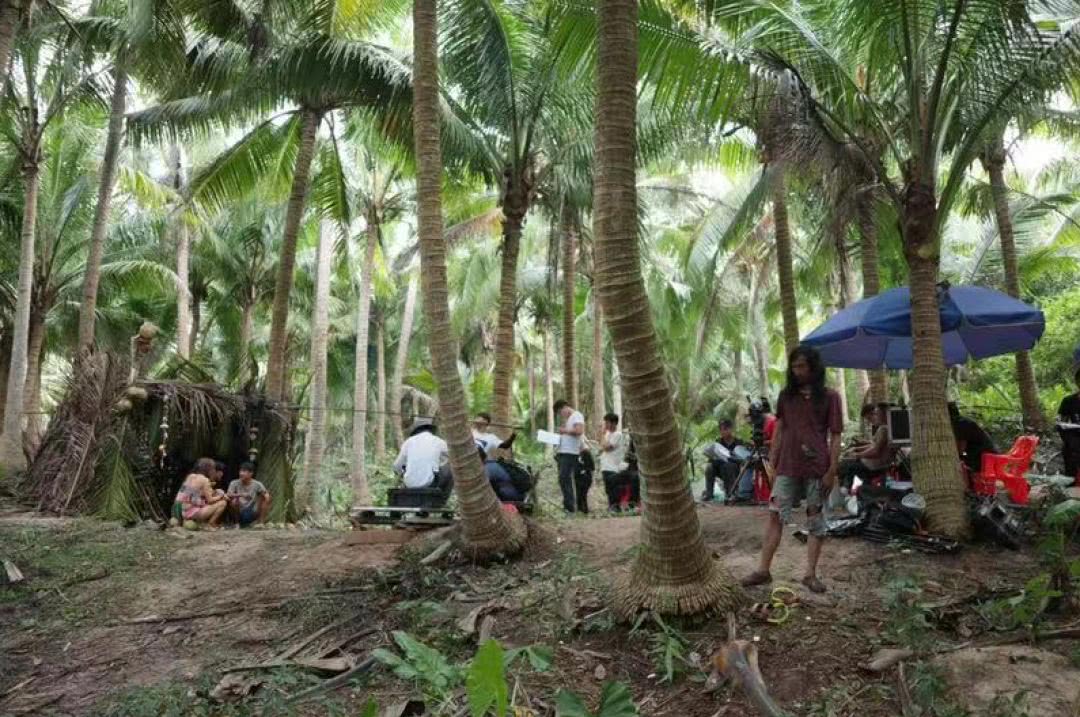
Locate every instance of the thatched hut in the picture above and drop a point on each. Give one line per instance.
(119, 449)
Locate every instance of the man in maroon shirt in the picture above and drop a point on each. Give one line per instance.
(804, 457)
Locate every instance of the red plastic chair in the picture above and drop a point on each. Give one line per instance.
(1009, 469)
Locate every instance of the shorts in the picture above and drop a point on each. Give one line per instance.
(248, 515)
(788, 492)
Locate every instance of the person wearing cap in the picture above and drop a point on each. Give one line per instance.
(722, 462)
(422, 460)
(1069, 413)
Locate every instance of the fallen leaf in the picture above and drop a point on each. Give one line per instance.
(884, 659)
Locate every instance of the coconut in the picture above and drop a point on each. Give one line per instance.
(173, 522)
(124, 405)
(148, 331)
(190, 525)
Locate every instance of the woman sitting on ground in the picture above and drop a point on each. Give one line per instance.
(197, 499)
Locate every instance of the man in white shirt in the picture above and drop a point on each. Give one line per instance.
(485, 440)
(568, 457)
(613, 461)
(422, 460)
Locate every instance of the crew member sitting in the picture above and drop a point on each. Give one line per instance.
(971, 440)
(501, 480)
(722, 462)
(197, 500)
(422, 460)
(1069, 415)
(249, 500)
(874, 457)
(487, 441)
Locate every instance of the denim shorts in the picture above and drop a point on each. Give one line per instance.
(788, 493)
(249, 515)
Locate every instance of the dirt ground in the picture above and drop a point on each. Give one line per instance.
(132, 621)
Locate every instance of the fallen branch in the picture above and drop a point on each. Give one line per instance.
(737, 662)
(903, 692)
(441, 550)
(340, 644)
(309, 663)
(333, 683)
(159, 619)
(296, 648)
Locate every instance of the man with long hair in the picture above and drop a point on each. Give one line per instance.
(804, 457)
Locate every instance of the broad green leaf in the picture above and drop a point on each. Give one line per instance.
(371, 709)
(539, 657)
(1063, 513)
(567, 704)
(616, 701)
(486, 682)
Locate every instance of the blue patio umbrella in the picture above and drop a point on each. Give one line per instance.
(976, 322)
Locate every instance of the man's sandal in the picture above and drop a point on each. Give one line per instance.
(758, 577)
(813, 584)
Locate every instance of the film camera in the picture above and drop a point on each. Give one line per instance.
(758, 410)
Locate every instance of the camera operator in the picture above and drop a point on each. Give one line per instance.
(723, 463)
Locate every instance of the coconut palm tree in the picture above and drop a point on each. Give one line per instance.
(993, 161)
(52, 81)
(486, 528)
(497, 54)
(240, 73)
(673, 572)
(315, 443)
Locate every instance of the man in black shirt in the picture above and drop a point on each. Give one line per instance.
(1069, 412)
(971, 440)
(726, 468)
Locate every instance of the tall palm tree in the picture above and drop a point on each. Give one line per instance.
(993, 160)
(315, 444)
(568, 229)
(499, 57)
(240, 72)
(673, 572)
(401, 358)
(11, 12)
(486, 529)
(53, 81)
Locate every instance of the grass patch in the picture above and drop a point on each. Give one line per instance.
(57, 561)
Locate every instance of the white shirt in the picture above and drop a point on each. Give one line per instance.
(571, 444)
(420, 457)
(613, 460)
(487, 441)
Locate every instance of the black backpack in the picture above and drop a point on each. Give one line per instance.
(587, 465)
(520, 476)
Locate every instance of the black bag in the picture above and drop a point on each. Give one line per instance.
(890, 519)
(586, 463)
(520, 476)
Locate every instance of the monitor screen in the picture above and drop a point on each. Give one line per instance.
(899, 425)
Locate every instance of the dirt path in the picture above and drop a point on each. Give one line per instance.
(64, 644)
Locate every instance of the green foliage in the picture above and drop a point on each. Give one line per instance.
(425, 667)
(909, 622)
(615, 701)
(1025, 609)
(485, 682)
(930, 692)
(668, 647)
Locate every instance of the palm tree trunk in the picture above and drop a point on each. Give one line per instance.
(183, 263)
(736, 384)
(401, 360)
(34, 364)
(99, 230)
(276, 385)
(10, 15)
(247, 328)
(504, 334)
(879, 385)
(5, 366)
(196, 320)
(380, 385)
(530, 378)
(12, 458)
(934, 461)
(358, 474)
(994, 162)
(487, 530)
(616, 391)
(598, 367)
(847, 298)
(569, 262)
(759, 332)
(549, 382)
(315, 445)
(785, 266)
(673, 572)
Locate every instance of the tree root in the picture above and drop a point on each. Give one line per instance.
(636, 592)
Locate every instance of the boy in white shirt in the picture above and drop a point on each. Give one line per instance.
(612, 460)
